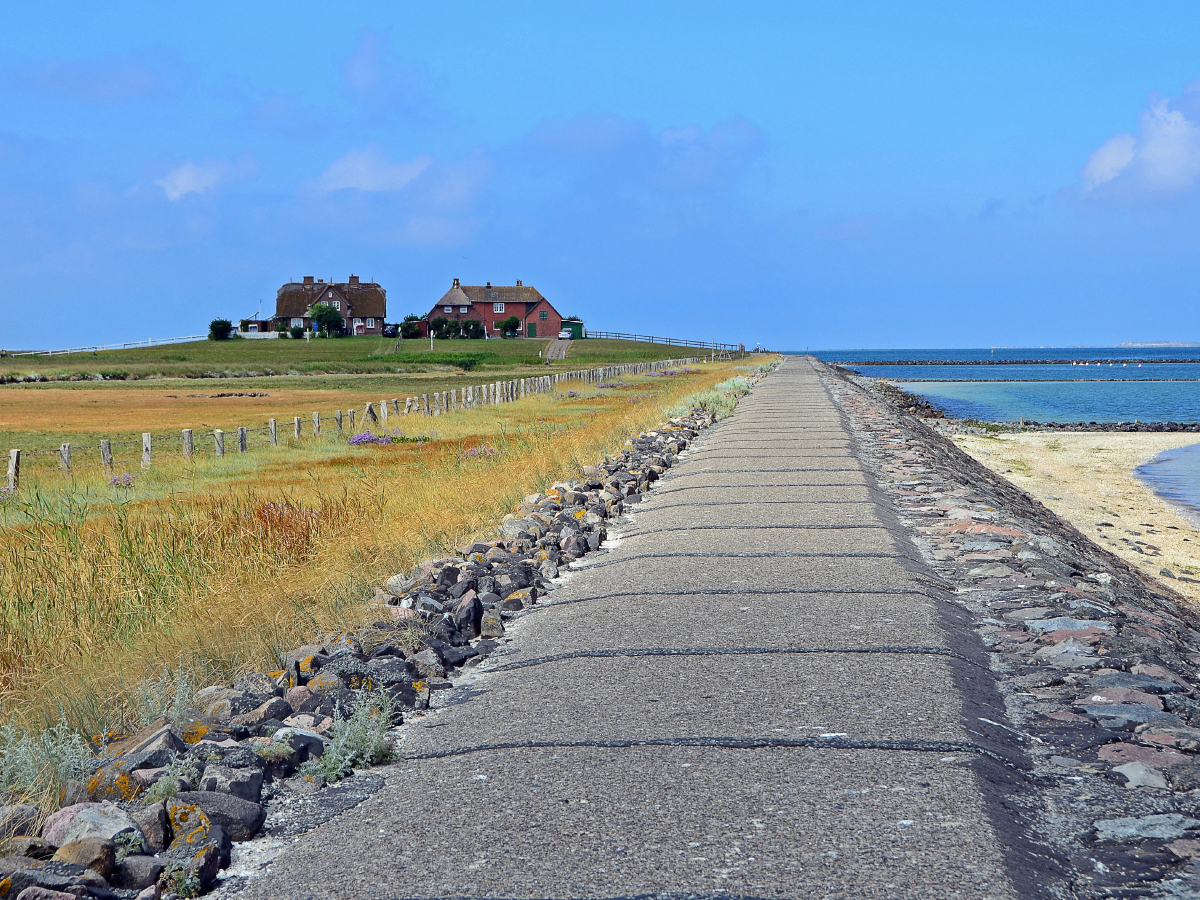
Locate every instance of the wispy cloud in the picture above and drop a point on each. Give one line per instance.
(98, 81)
(370, 169)
(1163, 159)
(207, 175)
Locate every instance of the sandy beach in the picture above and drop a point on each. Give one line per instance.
(1088, 479)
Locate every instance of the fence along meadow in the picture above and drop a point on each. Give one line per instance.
(434, 404)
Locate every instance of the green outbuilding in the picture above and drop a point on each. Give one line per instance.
(575, 326)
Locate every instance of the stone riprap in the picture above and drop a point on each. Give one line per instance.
(1096, 663)
(236, 759)
(753, 692)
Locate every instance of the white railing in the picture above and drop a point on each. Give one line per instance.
(151, 342)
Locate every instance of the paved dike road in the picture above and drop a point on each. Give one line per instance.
(829, 656)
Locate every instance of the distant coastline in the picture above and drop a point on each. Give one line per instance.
(1159, 344)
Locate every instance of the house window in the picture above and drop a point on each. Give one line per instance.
(497, 307)
(358, 321)
(337, 304)
(297, 323)
(542, 316)
(495, 326)
(331, 295)
(462, 309)
(447, 309)
(370, 323)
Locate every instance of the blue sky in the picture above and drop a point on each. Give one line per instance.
(804, 175)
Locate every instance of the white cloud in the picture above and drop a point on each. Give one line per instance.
(369, 169)
(208, 175)
(1163, 159)
(1107, 161)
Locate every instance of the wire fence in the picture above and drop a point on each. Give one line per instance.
(128, 345)
(672, 342)
(142, 454)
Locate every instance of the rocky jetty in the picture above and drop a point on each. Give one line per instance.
(160, 810)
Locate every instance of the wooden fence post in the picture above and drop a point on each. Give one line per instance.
(243, 443)
(424, 404)
(296, 424)
(106, 455)
(219, 441)
(396, 406)
(188, 444)
(273, 429)
(383, 413)
(146, 445)
(14, 469)
(337, 417)
(350, 413)
(64, 457)
(316, 424)
(369, 414)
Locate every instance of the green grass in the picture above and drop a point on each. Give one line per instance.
(251, 358)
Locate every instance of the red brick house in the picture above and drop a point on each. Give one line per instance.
(363, 304)
(492, 304)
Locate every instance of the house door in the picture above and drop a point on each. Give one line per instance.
(532, 329)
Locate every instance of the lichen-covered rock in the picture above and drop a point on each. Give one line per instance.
(204, 860)
(114, 780)
(491, 626)
(297, 697)
(192, 830)
(325, 682)
(429, 665)
(255, 683)
(241, 819)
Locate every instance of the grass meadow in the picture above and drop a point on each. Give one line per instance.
(217, 565)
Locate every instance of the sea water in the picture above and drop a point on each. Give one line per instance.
(1131, 390)
(1175, 476)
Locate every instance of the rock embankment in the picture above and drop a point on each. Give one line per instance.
(1096, 664)
(161, 809)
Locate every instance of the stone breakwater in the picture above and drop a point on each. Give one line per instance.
(1097, 713)
(161, 809)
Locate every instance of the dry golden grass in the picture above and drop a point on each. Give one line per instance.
(219, 565)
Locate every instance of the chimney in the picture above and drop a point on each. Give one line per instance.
(489, 284)
(518, 282)
(354, 279)
(455, 283)
(320, 281)
(308, 279)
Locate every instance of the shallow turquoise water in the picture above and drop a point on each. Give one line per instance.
(1175, 476)
(1065, 401)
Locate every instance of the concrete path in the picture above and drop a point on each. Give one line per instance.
(751, 695)
(557, 349)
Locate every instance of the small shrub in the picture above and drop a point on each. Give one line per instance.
(180, 880)
(167, 695)
(361, 740)
(124, 480)
(220, 330)
(38, 765)
(297, 333)
(167, 786)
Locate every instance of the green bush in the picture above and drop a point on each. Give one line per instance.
(297, 332)
(220, 329)
(38, 765)
(361, 740)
